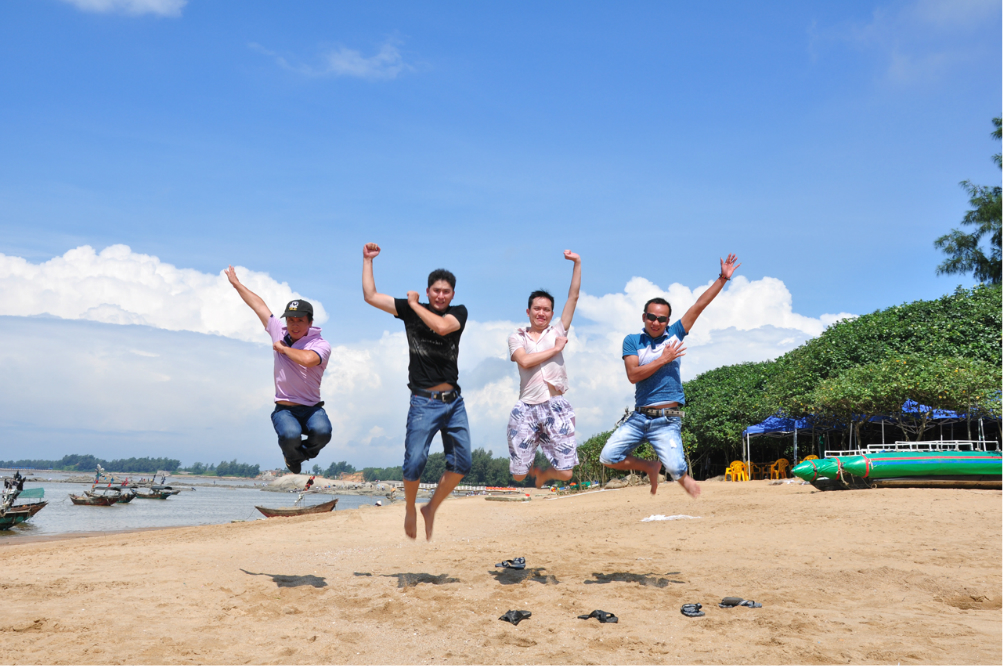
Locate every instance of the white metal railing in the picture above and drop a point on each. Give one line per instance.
(931, 445)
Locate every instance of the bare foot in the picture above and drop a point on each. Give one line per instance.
(689, 485)
(411, 522)
(429, 516)
(539, 477)
(652, 469)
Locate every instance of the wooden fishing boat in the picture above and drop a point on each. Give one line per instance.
(159, 493)
(87, 500)
(125, 498)
(297, 510)
(19, 513)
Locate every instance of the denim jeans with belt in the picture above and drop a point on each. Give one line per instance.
(426, 417)
(292, 422)
(664, 433)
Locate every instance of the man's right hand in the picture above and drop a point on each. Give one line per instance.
(370, 251)
(671, 352)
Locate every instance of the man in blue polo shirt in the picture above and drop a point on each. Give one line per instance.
(651, 359)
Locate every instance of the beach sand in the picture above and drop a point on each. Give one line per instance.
(868, 576)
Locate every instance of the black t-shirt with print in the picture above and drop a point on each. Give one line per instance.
(432, 356)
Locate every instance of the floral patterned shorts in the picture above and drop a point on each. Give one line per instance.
(549, 425)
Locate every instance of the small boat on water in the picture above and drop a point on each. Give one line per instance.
(93, 500)
(156, 492)
(297, 510)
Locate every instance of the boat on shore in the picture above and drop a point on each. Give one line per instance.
(905, 469)
(297, 510)
(12, 514)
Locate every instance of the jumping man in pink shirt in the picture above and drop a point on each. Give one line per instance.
(542, 417)
(301, 357)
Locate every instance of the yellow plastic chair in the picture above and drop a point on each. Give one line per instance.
(810, 457)
(736, 471)
(757, 470)
(778, 470)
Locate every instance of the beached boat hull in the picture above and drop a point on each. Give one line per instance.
(297, 511)
(881, 465)
(20, 513)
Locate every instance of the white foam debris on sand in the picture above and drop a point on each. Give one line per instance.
(661, 517)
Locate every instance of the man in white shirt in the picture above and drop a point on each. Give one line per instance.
(542, 417)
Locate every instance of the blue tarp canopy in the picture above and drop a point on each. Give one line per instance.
(777, 425)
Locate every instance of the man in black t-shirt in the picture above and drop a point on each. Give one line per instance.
(433, 341)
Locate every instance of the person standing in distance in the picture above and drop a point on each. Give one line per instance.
(542, 417)
(433, 339)
(301, 356)
(651, 359)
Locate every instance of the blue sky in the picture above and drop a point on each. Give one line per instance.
(821, 142)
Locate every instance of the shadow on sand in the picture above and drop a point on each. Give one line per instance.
(291, 581)
(412, 579)
(516, 576)
(642, 579)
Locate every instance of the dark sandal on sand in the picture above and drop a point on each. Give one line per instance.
(731, 602)
(602, 616)
(692, 610)
(514, 563)
(515, 616)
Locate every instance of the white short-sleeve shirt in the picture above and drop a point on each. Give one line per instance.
(533, 381)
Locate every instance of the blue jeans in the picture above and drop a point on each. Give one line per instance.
(427, 417)
(292, 422)
(664, 433)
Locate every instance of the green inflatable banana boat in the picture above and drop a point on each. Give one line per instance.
(901, 464)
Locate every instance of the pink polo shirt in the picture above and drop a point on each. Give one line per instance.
(533, 381)
(294, 382)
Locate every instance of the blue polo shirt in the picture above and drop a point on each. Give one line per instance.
(665, 385)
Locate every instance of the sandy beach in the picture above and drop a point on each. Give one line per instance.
(879, 576)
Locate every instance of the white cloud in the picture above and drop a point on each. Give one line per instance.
(144, 390)
(916, 43)
(132, 7)
(387, 63)
(119, 286)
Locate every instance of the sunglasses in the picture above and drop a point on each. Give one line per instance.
(651, 317)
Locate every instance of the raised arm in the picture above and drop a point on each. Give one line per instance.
(727, 270)
(382, 301)
(440, 324)
(253, 300)
(576, 284)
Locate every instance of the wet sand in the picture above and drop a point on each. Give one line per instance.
(877, 576)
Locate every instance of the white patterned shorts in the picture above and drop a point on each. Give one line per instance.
(549, 425)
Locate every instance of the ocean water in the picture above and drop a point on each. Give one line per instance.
(206, 505)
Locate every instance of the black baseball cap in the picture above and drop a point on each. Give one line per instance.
(299, 308)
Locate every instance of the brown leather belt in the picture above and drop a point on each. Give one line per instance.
(444, 396)
(656, 413)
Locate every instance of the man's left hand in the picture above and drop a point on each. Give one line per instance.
(729, 267)
(412, 298)
(279, 346)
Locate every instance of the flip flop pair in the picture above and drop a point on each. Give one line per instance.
(692, 610)
(602, 616)
(515, 563)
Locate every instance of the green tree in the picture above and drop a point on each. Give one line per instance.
(961, 385)
(964, 251)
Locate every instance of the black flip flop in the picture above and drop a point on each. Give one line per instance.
(692, 610)
(514, 563)
(602, 616)
(515, 616)
(731, 602)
